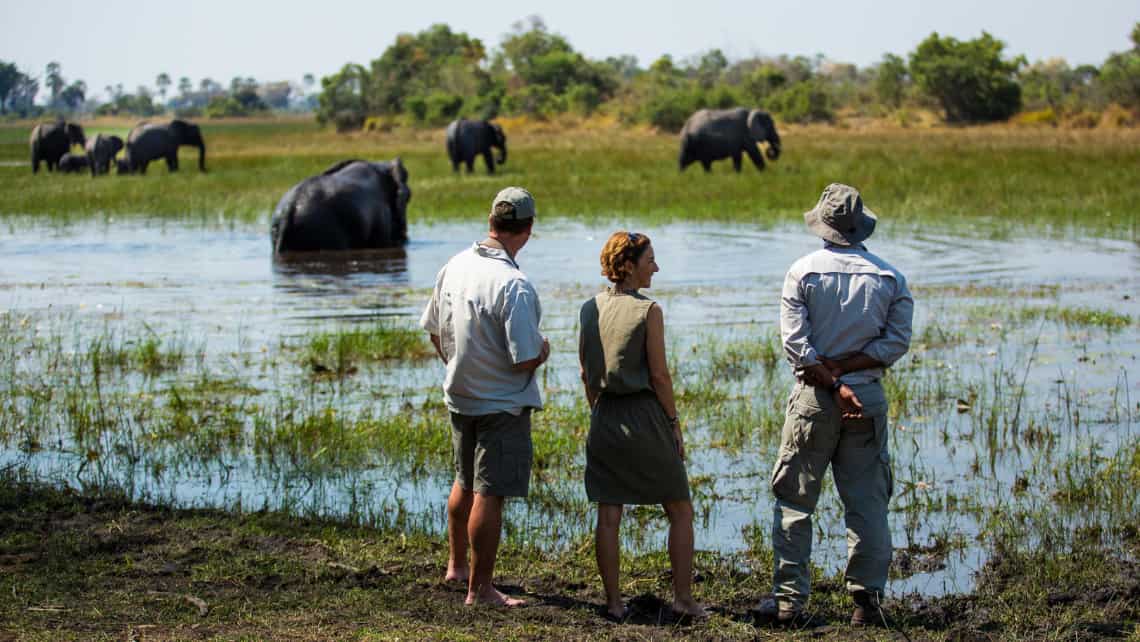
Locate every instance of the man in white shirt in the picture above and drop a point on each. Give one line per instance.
(845, 315)
(483, 319)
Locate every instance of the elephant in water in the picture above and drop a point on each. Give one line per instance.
(72, 163)
(468, 138)
(50, 141)
(101, 150)
(353, 205)
(713, 134)
(148, 142)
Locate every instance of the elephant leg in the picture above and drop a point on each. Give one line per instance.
(756, 156)
(736, 158)
(455, 166)
(707, 164)
(172, 161)
(489, 161)
(142, 167)
(470, 162)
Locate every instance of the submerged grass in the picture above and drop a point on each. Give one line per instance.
(339, 351)
(996, 179)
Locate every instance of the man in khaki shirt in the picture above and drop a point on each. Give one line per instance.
(845, 315)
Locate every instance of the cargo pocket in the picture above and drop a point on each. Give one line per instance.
(888, 474)
(782, 486)
(515, 456)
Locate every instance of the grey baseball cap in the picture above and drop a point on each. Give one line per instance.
(839, 216)
(520, 198)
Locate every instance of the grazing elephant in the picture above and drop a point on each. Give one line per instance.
(72, 163)
(468, 138)
(122, 167)
(101, 150)
(148, 142)
(50, 141)
(712, 134)
(353, 205)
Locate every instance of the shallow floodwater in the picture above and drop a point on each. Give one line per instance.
(220, 289)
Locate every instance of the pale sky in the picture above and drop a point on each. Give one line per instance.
(129, 41)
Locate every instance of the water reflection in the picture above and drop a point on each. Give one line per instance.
(345, 271)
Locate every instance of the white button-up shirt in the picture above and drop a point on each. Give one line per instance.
(486, 315)
(840, 301)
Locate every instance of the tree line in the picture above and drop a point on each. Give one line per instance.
(438, 74)
(208, 98)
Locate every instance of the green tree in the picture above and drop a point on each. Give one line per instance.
(73, 95)
(343, 98)
(1120, 74)
(162, 82)
(968, 79)
(538, 57)
(890, 81)
(53, 78)
(415, 64)
(9, 79)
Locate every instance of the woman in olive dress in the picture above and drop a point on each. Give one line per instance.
(635, 451)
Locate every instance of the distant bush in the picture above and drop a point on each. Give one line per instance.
(668, 110)
(1116, 116)
(1040, 117)
(805, 102)
(1083, 120)
(348, 120)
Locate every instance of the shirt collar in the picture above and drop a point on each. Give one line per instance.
(494, 253)
(828, 245)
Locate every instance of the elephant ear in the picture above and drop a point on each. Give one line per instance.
(759, 124)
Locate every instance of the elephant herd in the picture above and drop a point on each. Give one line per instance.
(51, 144)
(358, 204)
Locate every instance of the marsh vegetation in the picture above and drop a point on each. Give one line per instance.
(150, 348)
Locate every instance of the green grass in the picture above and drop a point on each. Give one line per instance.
(339, 351)
(993, 180)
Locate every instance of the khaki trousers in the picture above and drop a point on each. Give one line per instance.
(814, 437)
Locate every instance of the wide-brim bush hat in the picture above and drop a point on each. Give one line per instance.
(839, 217)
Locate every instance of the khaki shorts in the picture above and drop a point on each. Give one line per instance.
(492, 453)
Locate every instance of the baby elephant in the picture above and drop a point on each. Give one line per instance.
(101, 150)
(72, 163)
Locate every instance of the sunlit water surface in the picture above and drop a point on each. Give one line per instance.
(221, 287)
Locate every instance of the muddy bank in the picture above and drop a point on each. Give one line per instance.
(81, 566)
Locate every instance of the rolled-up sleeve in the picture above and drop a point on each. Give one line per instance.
(429, 320)
(894, 341)
(795, 326)
(521, 315)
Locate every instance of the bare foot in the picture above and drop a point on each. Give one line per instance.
(690, 607)
(493, 596)
(457, 574)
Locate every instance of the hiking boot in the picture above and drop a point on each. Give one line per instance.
(779, 613)
(868, 610)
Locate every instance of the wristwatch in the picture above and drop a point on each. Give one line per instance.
(836, 385)
(675, 420)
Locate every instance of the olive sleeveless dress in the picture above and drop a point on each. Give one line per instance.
(631, 457)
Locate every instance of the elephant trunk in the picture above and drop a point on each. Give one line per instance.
(503, 153)
(773, 150)
(202, 157)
